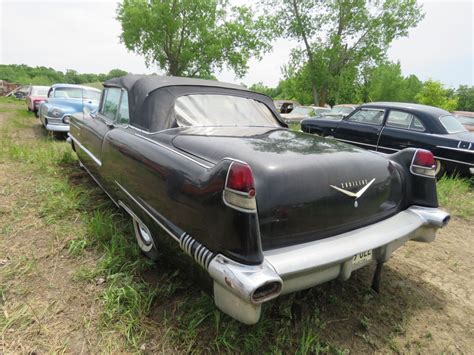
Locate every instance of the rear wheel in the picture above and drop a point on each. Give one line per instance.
(440, 169)
(145, 240)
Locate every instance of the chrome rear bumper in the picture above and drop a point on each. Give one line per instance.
(306, 265)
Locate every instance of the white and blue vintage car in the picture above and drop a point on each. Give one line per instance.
(63, 101)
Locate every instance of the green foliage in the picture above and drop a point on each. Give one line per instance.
(340, 35)
(193, 37)
(434, 93)
(386, 83)
(24, 74)
(465, 96)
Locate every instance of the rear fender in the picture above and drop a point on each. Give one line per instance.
(420, 190)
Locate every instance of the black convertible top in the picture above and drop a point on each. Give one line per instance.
(151, 97)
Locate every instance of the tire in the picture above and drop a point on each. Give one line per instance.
(145, 240)
(440, 169)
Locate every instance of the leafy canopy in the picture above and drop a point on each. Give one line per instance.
(339, 35)
(434, 93)
(192, 37)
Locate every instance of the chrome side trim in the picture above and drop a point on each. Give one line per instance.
(87, 151)
(147, 212)
(74, 125)
(457, 149)
(200, 253)
(174, 151)
(98, 183)
(454, 161)
(142, 245)
(353, 142)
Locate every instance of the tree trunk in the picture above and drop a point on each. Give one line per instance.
(315, 91)
(323, 96)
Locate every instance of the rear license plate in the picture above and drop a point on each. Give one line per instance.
(362, 257)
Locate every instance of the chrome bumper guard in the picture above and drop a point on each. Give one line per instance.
(57, 127)
(240, 290)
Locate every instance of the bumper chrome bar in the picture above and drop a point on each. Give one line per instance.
(57, 127)
(306, 265)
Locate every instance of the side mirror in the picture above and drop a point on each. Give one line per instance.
(93, 113)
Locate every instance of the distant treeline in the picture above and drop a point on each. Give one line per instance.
(381, 82)
(24, 74)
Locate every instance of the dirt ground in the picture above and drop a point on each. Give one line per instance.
(426, 304)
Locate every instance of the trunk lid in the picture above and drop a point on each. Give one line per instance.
(303, 182)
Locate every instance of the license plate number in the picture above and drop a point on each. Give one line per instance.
(362, 257)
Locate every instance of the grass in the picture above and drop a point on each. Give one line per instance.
(169, 314)
(457, 196)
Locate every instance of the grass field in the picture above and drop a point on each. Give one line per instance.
(73, 280)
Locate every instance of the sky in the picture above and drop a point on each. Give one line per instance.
(84, 35)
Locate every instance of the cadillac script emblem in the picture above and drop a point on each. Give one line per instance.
(355, 195)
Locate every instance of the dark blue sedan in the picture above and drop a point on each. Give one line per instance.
(390, 126)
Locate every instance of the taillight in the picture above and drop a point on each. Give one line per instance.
(239, 189)
(423, 163)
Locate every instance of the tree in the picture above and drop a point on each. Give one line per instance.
(339, 34)
(192, 37)
(434, 93)
(466, 98)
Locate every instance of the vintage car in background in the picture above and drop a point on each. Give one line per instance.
(390, 127)
(208, 169)
(36, 96)
(64, 100)
(466, 118)
(21, 92)
(299, 113)
(286, 106)
(338, 112)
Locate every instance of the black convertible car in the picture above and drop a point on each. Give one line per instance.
(390, 127)
(260, 210)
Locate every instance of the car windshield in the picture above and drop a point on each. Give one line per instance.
(222, 110)
(76, 93)
(465, 120)
(39, 92)
(306, 111)
(451, 124)
(68, 93)
(92, 95)
(321, 110)
(341, 109)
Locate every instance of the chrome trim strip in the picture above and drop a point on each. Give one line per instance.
(454, 161)
(87, 151)
(74, 125)
(98, 183)
(457, 149)
(174, 151)
(147, 212)
(353, 142)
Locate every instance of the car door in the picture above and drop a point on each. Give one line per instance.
(97, 125)
(403, 130)
(362, 128)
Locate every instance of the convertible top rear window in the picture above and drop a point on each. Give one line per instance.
(222, 110)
